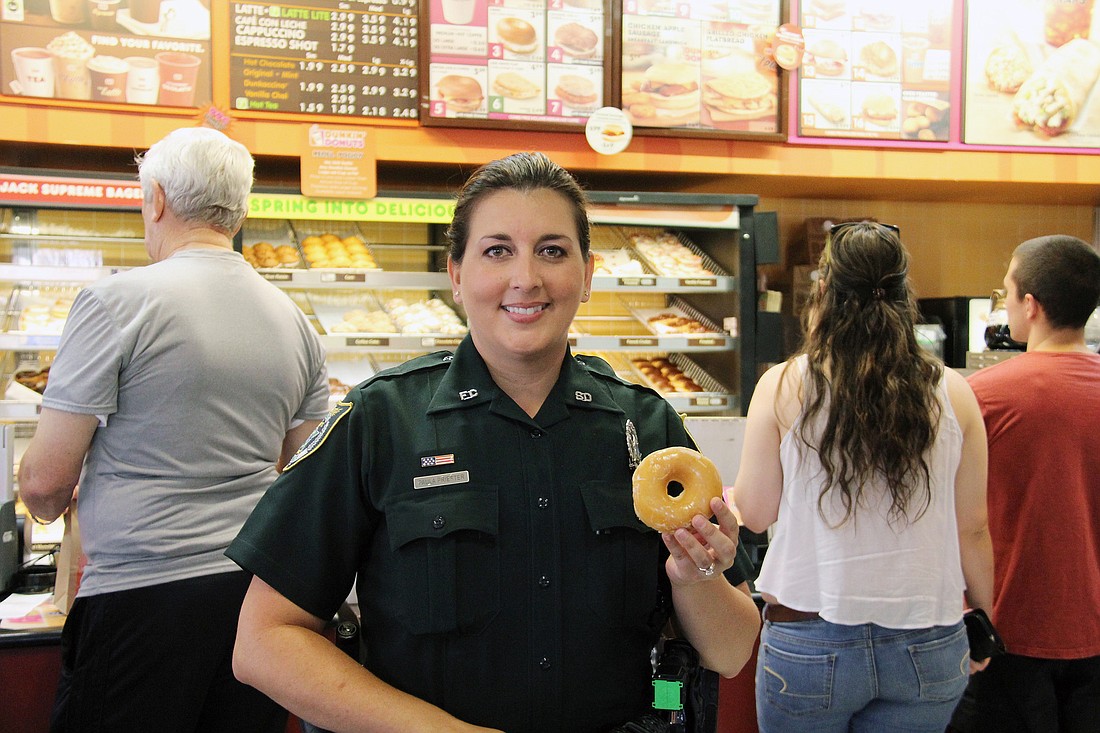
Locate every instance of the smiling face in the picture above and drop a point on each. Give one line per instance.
(522, 276)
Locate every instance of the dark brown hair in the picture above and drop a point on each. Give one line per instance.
(519, 172)
(1063, 274)
(868, 374)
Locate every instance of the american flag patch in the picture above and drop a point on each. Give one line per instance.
(441, 460)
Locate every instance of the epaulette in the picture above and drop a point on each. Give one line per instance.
(425, 362)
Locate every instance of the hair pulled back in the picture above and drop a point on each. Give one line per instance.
(523, 172)
(868, 374)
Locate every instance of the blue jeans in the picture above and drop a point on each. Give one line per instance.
(823, 677)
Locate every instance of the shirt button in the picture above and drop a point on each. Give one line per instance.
(543, 502)
(537, 433)
(439, 522)
(544, 664)
(544, 582)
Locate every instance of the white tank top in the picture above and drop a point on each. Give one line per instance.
(867, 570)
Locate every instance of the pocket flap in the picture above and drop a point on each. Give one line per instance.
(434, 515)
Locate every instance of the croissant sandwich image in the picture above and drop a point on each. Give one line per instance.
(1052, 97)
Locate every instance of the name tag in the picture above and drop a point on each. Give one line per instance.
(441, 479)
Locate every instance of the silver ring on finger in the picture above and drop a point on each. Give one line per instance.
(708, 570)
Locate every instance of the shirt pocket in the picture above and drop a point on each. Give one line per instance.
(622, 557)
(446, 559)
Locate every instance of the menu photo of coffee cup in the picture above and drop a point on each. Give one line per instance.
(34, 72)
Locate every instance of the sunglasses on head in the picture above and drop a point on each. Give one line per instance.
(845, 224)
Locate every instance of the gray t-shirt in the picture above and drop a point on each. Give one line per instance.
(200, 366)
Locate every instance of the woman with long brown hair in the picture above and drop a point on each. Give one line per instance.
(869, 458)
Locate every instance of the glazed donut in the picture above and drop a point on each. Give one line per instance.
(692, 470)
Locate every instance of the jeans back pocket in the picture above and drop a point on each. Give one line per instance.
(797, 683)
(942, 666)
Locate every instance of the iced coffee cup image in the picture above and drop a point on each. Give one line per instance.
(142, 80)
(178, 73)
(34, 72)
(459, 12)
(108, 78)
(72, 80)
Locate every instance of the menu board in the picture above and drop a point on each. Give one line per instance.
(1031, 73)
(701, 66)
(333, 57)
(532, 61)
(881, 70)
(150, 52)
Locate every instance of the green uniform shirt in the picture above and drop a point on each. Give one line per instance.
(502, 573)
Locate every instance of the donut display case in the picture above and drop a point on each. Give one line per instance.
(672, 304)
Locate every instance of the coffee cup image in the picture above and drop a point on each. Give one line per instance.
(70, 56)
(34, 72)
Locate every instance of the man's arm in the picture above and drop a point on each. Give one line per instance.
(50, 467)
(294, 438)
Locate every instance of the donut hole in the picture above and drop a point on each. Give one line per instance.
(675, 488)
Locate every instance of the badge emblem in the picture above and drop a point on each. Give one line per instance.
(319, 434)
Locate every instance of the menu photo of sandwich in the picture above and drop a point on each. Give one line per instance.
(1029, 80)
(516, 88)
(578, 90)
(825, 105)
(878, 59)
(575, 42)
(817, 11)
(879, 108)
(826, 56)
(457, 91)
(746, 95)
(667, 94)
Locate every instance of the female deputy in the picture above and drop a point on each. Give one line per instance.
(872, 457)
(484, 500)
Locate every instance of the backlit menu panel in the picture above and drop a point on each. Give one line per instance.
(332, 57)
(150, 52)
(516, 60)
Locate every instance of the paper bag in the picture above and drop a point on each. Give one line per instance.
(70, 563)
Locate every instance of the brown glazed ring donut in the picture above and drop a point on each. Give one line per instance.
(692, 470)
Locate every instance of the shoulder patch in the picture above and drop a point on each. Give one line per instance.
(319, 434)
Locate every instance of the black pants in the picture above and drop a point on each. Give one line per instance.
(159, 658)
(1026, 695)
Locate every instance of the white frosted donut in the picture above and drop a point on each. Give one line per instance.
(696, 473)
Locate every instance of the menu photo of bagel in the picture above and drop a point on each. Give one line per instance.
(880, 59)
(517, 35)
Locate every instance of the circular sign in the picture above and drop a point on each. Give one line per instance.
(788, 46)
(608, 130)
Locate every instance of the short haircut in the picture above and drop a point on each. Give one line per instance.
(206, 177)
(517, 172)
(1062, 273)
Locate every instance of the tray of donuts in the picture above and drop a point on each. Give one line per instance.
(333, 245)
(269, 244)
(39, 311)
(380, 313)
(675, 319)
(675, 374)
(672, 254)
